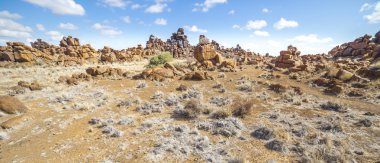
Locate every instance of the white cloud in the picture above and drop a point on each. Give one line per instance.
(311, 39)
(261, 33)
(283, 23)
(60, 7)
(126, 19)
(16, 34)
(116, 3)
(161, 21)
(265, 10)
(257, 24)
(107, 30)
(54, 35)
(7, 14)
(374, 17)
(194, 28)
(231, 12)
(10, 28)
(12, 25)
(135, 6)
(235, 26)
(207, 4)
(158, 7)
(365, 7)
(67, 26)
(40, 27)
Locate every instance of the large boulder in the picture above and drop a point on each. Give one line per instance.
(11, 105)
(7, 56)
(344, 75)
(157, 73)
(205, 52)
(24, 57)
(197, 75)
(104, 71)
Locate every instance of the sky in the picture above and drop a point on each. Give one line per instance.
(314, 26)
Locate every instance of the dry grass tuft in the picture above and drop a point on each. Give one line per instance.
(242, 107)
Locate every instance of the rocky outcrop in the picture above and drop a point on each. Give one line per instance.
(19, 52)
(69, 41)
(178, 44)
(206, 54)
(290, 59)
(155, 43)
(104, 71)
(360, 48)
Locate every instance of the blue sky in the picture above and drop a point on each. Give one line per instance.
(314, 26)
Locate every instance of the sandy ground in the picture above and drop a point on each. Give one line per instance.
(112, 120)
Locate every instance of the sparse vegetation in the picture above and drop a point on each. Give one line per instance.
(242, 107)
(334, 107)
(160, 59)
(220, 114)
(192, 109)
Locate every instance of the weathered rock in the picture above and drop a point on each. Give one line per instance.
(104, 70)
(344, 75)
(11, 105)
(156, 74)
(178, 44)
(205, 52)
(197, 75)
(7, 56)
(32, 86)
(290, 59)
(14, 122)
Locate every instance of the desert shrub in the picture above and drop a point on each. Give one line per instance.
(149, 108)
(263, 133)
(220, 114)
(241, 107)
(191, 110)
(275, 145)
(220, 101)
(333, 107)
(160, 59)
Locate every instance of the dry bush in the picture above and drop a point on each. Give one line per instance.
(242, 107)
(220, 114)
(191, 110)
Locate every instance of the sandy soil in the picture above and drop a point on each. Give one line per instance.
(104, 120)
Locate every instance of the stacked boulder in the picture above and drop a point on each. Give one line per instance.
(50, 50)
(74, 49)
(107, 54)
(361, 48)
(361, 56)
(178, 44)
(206, 54)
(290, 59)
(18, 52)
(155, 43)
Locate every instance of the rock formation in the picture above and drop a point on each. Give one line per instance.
(290, 59)
(155, 43)
(178, 44)
(18, 52)
(206, 54)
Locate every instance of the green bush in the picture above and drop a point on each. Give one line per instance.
(160, 59)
